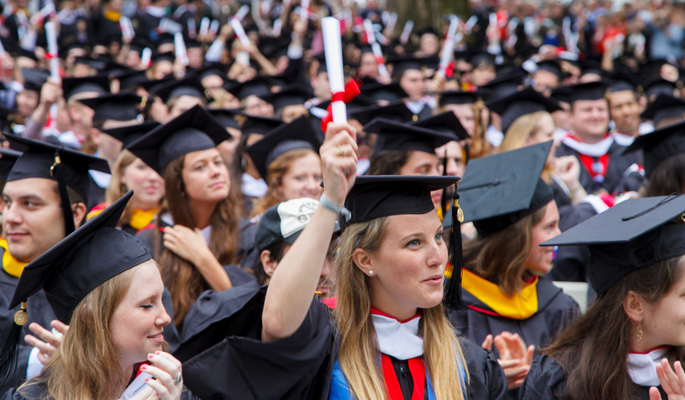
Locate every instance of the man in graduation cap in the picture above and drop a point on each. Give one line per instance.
(45, 195)
(604, 166)
(409, 73)
(624, 109)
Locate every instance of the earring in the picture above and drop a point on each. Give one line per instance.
(639, 331)
(370, 273)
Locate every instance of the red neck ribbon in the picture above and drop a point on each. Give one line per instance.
(418, 374)
(351, 91)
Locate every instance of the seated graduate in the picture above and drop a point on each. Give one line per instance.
(131, 173)
(288, 159)
(388, 336)
(614, 350)
(504, 287)
(114, 346)
(196, 237)
(664, 155)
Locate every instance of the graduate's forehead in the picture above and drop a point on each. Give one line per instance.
(36, 188)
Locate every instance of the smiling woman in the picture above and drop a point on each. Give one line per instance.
(114, 345)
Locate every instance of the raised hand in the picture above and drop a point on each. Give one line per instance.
(339, 161)
(48, 342)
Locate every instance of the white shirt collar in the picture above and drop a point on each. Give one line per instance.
(155, 11)
(623, 139)
(253, 187)
(396, 339)
(590, 149)
(494, 136)
(642, 366)
(415, 106)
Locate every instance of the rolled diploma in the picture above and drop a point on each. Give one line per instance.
(180, 47)
(406, 31)
(448, 46)
(242, 12)
(304, 9)
(146, 57)
(334, 65)
(238, 29)
(368, 28)
(204, 26)
(376, 48)
(51, 34)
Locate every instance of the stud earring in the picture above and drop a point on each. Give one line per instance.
(370, 273)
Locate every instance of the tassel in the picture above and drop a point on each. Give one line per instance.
(444, 198)
(453, 271)
(10, 349)
(56, 171)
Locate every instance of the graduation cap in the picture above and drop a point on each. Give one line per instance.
(259, 125)
(374, 197)
(505, 84)
(298, 134)
(258, 86)
(67, 167)
(588, 91)
(481, 59)
(623, 80)
(459, 97)
(189, 86)
(629, 236)
(168, 56)
(551, 66)
(118, 107)
(659, 86)
(405, 63)
(659, 145)
(152, 85)
(227, 117)
(664, 106)
(164, 38)
(294, 94)
(129, 134)
(7, 159)
(500, 190)
(446, 122)
(67, 272)
(379, 91)
(397, 111)
(518, 104)
(194, 130)
(91, 62)
(404, 136)
(212, 70)
(73, 86)
(131, 79)
(562, 94)
(590, 66)
(34, 79)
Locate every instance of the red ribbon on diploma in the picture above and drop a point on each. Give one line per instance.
(351, 91)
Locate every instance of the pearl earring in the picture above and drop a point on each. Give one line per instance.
(370, 273)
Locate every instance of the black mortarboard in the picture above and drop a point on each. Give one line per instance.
(34, 79)
(664, 106)
(259, 125)
(459, 97)
(395, 112)
(562, 94)
(659, 145)
(226, 117)
(588, 91)
(446, 122)
(659, 86)
(518, 104)
(622, 80)
(404, 136)
(118, 107)
(190, 86)
(590, 66)
(288, 96)
(152, 85)
(130, 80)
(212, 70)
(258, 86)
(168, 56)
(499, 190)
(505, 84)
(295, 135)
(72, 86)
(164, 38)
(194, 130)
(404, 63)
(480, 59)
(7, 159)
(551, 66)
(379, 91)
(71, 269)
(129, 134)
(91, 62)
(627, 237)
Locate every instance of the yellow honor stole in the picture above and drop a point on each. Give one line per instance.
(10, 264)
(519, 306)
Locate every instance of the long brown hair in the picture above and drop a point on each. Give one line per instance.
(277, 170)
(501, 257)
(593, 351)
(359, 351)
(479, 146)
(667, 178)
(184, 281)
(116, 189)
(519, 132)
(388, 162)
(85, 365)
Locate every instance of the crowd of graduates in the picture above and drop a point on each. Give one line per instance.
(185, 214)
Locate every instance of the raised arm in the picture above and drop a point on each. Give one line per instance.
(293, 284)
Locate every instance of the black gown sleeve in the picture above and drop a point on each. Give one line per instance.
(486, 377)
(546, 380)
(230, 361)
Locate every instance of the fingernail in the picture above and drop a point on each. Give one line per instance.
(157, 352)
(161, 229)
(143, 367)
(150, 355)
(147, 379)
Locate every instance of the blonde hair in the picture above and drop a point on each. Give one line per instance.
(277, 170)
(359, 351)
(523, 128)
(86, 365)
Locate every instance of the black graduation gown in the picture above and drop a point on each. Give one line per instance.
(615, 178)
(555, 312)
(96, 194)
(144, 24)
(547, 380)
(226, 359)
